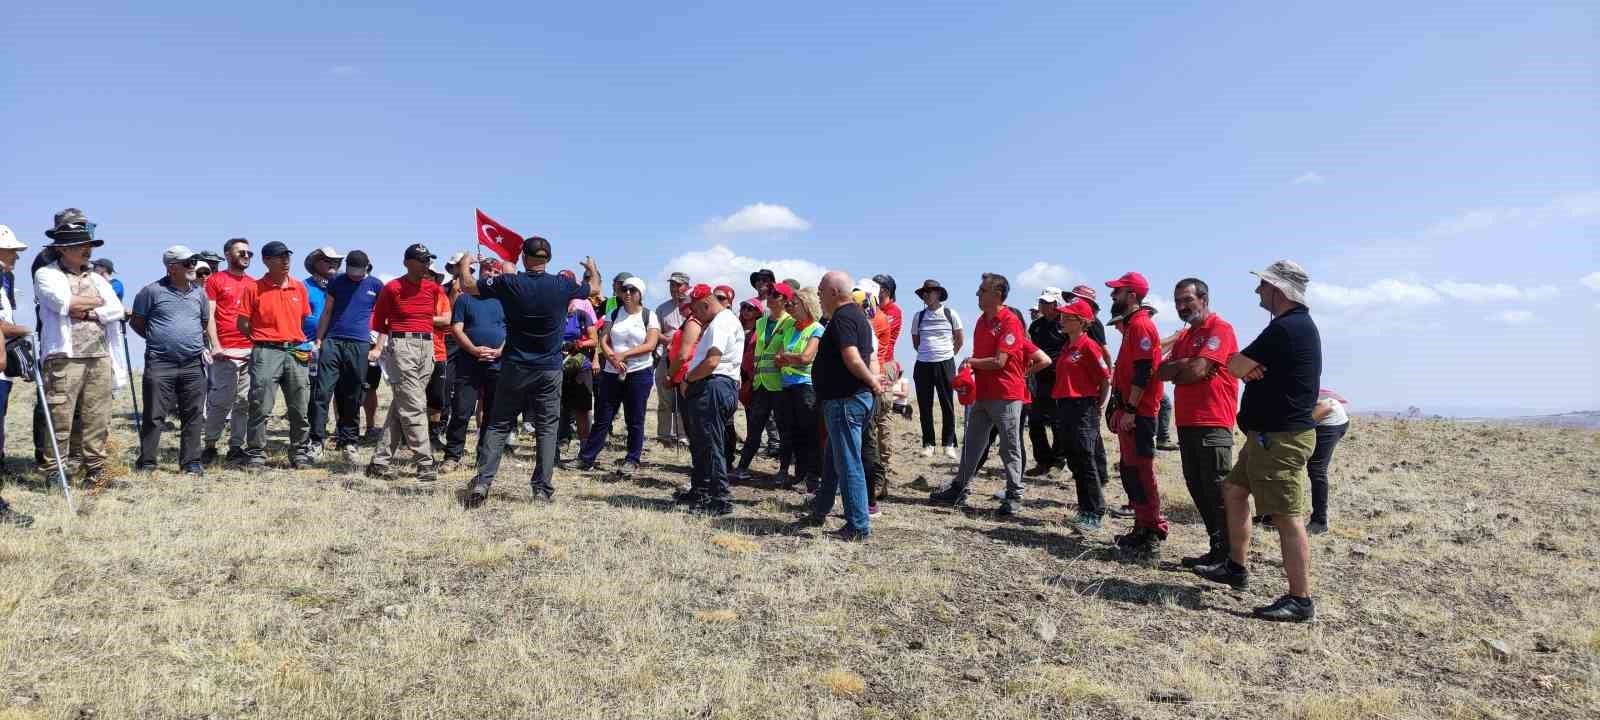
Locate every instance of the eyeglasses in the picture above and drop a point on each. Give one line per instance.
(245, 253)
(190, 263)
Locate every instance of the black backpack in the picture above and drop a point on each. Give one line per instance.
(947, 318)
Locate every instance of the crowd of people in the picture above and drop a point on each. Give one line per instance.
(547, 354)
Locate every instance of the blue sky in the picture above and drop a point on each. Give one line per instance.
(1436, 168)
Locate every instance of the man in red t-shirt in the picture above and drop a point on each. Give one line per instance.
(405, 315)
(1205, 401)
(228, 401)
(1135, 401)
(1082, 383)
(997, 365)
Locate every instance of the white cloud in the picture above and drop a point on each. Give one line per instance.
(720, 265)
(1591, 281)
(1513, 317)
(1043, 274)
(1576, 205)
(1494, 292)
(1386, 292)
(1573, 206)
(759, 217)
(344, 71)
(1473, 221)
(1309, 177)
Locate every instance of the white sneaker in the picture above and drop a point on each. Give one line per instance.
(927, 451)
(1000, 495)
(950, 452)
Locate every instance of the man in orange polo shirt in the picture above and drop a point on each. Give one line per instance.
(272, 313)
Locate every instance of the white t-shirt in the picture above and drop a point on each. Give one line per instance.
(725, 334)
(1338, 416)
(935, 334)
(627, 333)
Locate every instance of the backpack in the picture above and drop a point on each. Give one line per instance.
(947, 318)
(618, 309)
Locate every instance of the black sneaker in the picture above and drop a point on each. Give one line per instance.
(687, 497)
(1316, 528)
(9, 516)
(1287, 609)
(208, 455)
(584, 465)
(1210, 557)
(951, 496)
(235, 455)
(805, 521)
(1226, 572)
(476, 495)
(144, 467)
(713, 508)
(194, 468)
(849, 534)
(1039, 470)
(1008, 508)
(1141, 541)
(1166, 446)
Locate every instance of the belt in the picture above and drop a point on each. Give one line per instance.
(277, 345)
(412, 335)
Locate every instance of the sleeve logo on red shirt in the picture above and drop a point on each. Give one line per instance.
(1011, 339)
(1144, 343)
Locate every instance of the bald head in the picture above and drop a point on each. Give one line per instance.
(834, 290)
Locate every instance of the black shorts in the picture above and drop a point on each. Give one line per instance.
(435, 390)
(374, 377)
(575, 392)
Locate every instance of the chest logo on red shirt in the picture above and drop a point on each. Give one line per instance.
(1213, 343)
(1075, 357)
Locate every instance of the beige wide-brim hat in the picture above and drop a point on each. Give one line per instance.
(9, 241)
(1289, 277)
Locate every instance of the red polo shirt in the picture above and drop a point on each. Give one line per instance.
(1213, 402)
(990, 337)
(405, 306)
(1080, 369)
(224, 290)
(276, 312)
(896, 318)
(1140, 341)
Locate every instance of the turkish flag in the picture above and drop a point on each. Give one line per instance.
(498, 238)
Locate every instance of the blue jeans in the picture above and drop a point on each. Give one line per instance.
(710, 403)
(843, 472)
(630, 394)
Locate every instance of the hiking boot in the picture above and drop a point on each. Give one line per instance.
(476, 496)
(1209, 557)
(1166, 446)
(1316, 528)
(582, 465)
(805, 521)
(688, 497)
(849, 534)
(1137, 539)
(1226, 572)
(628, 468)
(9, 516)
(1287, 609)
(713, 508)
(1008, 508)
(144, 466)
(208, 455)
(379, 472)
(1086, 524)
(1124, 512)
(951, 496)
(373, 435)
(1039, 470)
(235, 456)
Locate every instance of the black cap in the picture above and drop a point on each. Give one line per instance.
(357, 258)
(418, 251)
(105, 263)
(885, 281)
(209, 256)
(763, 275)
(537, 247)
(275, 249)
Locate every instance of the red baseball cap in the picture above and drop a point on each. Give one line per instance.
(783, 290)
(1077, 308)
(1133, 281)
(700, 292)
(724, 291)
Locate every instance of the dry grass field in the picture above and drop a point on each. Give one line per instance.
(322, 594)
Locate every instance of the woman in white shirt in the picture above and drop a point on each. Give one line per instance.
(627, 377)
(1332, 422)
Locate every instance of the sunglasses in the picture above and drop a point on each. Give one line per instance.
(245, 253)
(190, 263)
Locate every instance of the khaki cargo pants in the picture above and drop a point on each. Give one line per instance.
(409, 364)
(71, 383)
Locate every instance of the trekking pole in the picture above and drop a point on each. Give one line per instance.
(49, 424)
(133, 391)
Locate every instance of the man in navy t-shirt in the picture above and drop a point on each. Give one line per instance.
(478, 325)
(535, 305)
(343, 340)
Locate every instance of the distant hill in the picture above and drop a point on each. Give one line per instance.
(1581, 419)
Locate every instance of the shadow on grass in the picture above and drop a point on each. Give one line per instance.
(759, 527)
(1064, 546)
(639, 502)
(1122, 590)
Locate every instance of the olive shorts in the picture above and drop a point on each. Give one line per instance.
(1272, 466)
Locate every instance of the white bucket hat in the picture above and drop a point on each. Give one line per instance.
(1289, 277)
(9, 241)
